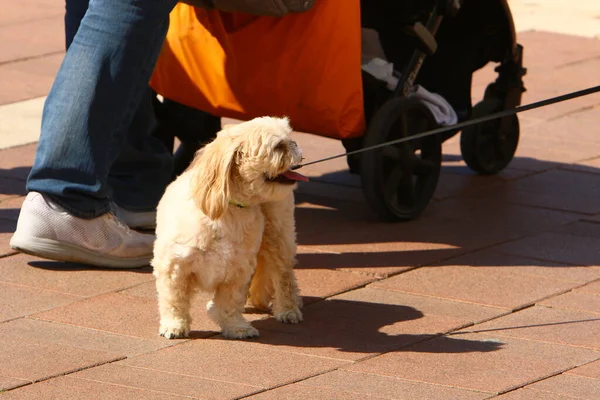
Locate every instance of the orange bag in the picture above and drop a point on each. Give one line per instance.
(306, 66)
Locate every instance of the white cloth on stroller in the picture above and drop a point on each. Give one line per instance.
(441, 110)
(374, 63)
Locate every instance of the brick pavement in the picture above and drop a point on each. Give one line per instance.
(493, 293)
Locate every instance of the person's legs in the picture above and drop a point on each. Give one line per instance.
(74, 12)
(144, 168)
(88, 114)
(94, 117)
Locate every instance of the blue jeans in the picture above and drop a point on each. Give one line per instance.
(96, 143)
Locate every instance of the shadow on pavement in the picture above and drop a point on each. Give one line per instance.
(59, 266)
(362, 327)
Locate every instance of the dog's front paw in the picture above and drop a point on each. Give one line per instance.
(240, 332)
(292, 316)
(174, 331)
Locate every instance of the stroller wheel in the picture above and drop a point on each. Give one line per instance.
(489, 147)
(398, 181)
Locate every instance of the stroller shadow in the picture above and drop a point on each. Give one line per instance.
(347, 235)
(361, 328)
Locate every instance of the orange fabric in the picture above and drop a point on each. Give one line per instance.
(305, 66)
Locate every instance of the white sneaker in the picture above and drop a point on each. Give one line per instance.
(46, 230)
(135, 220)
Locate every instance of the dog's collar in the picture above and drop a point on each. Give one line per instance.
(238, 205)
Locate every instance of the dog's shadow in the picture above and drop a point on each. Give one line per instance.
(363, 328)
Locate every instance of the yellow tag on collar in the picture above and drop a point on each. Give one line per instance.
(238, 205)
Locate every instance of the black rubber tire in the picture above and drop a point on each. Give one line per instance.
(399, 181)
(489, 147)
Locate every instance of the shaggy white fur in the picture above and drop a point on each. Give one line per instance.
(228, 220)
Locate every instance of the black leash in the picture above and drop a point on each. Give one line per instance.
(475, 121)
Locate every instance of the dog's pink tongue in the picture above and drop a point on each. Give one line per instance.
(294, 176)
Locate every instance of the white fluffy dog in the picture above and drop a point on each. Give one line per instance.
(226, 221)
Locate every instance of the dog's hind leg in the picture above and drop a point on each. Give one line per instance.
(274, 278)
(175, 290)
(261, 287)
(227, 306)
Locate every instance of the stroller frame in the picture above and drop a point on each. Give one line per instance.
(399, 181)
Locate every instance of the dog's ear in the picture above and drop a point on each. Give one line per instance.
(212, 176)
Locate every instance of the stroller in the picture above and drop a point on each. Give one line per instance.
(435, 44)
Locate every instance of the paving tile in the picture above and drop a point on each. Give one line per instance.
(594, 218)
(578, 127)
(17, 301)
(7, 227)
(477, 222)
(543, 145)
(449, 228)
(20, 130)
(528, 266)
(76, 279)
(580, 229)
(7, 383)
(490, 286)
(569, 385)
(575, 300)
(557, 16)
(369, 265)
(165, 382)
(331, 191)
(461, 313)
(460, 181)
(561, 246)
(29, 10)
(353, 385)
(298, 391)
(17, 161)
(10, 207)
(591, 166)
(363, 245)
(554, 325)
(68, 388)
(536, 155)
(548, 50)
(530, 394)
(591, 370)
(36, 38)
(119, 313)
(368, 321)
(477, 362)
(30, 361)
(12, 186)
(43, 332)
(593, 287)
(541, 85)
(28, 79)
(377, 385)
(231, 360)
(338, 177)
(319, 283)
(542, 190)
